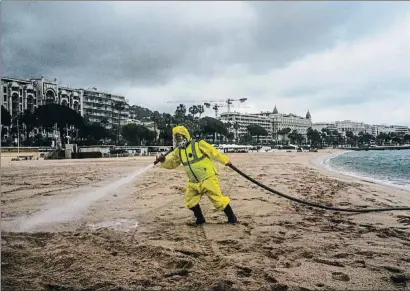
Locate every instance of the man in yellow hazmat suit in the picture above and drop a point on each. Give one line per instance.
(196, 157)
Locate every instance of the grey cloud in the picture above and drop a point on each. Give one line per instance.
(93, 44)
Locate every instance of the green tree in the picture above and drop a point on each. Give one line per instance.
(284, 132)
(295, 137)
(130, 133)
(94, 133)
(156, 118)
(30, 122)
(212, 126)
(194, 110)
(5, 117)
(180, 113)
(382, 138)
(397, 139)
(230, 137)
(351, 138)
(406, 138)
(314, 137)
(201, 110)
(137, 134)
(246, 139)
(53, 114)
(256, 130)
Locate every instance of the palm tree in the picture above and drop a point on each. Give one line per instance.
(201, 110)
(193, 110)
(156, 118)
(180, 113)
(236, 126)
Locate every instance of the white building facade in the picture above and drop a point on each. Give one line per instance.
(20, 95)
(324, 125)
(357, 127)
(105, 108)
(294, 122)
(243, 121)
(400, 129)
(272, 122)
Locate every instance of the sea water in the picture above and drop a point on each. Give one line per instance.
(390, 167)
(71, 209)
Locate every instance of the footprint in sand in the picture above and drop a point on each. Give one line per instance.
(243, 271)
(403, 219)
(339, 276)
(400, 279)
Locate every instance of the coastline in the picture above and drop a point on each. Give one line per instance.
(322, 163)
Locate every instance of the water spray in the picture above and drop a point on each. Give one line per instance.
(72, 208)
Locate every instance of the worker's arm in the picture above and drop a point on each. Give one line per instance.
(213, 153)
(172, 161)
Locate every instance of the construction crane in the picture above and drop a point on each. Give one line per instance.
(214, 107)
(228, 102)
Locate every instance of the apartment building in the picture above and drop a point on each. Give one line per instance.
(271, 121)
(105, 108)
(20, 95)
(294, 122)
(357, 127)
(243, 120)
(102, 107)
(401, 129)
(322, 125)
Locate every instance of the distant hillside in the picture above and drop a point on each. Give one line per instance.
(139, 112)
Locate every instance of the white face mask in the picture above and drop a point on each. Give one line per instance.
(179, 141)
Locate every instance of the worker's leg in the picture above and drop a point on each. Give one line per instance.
(212, 189)
(192, 198)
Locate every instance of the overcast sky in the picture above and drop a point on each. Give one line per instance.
(340, 60)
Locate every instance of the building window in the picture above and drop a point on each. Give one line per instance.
(21, 91)
(4, 89)
(5, 98)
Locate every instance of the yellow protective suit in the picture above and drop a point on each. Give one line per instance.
(203, 177)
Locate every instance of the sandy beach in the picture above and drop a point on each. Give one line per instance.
(87, 235)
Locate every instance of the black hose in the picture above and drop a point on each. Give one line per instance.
(311, 203)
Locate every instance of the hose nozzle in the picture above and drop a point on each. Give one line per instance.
(164, 155)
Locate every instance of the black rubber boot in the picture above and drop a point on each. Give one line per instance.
(231, 216)
(200, 219)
